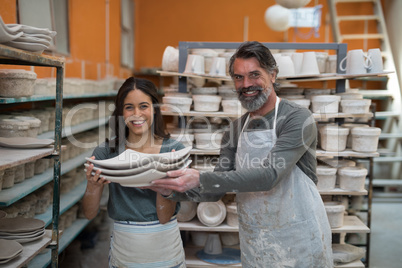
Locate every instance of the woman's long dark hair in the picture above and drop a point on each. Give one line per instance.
(117, 121)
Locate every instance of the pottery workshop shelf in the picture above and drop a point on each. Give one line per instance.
(352, 224)
(30, 250)
(346, 153)
(193, 261)
(196, 225)
(353, 264)
(205, 76)
(67, 200)
(202, 114)
(69, 234)
(14, 157)
(338, 191)
(36, 98)
(77, 128)
(341, 115)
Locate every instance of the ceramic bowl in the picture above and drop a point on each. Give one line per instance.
(187, 211)
(176, 104)
(211, 213)
(16, 83)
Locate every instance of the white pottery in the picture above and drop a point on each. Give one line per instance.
(297, 59)
(232, 218)
(375, 56)
(13, 128)
(321, 61)
(326, 178)
(356, 106)
(16, 83)
(170, 59)
(309, 64)
(8, 178)
(331, 64)
(286, 66)
(185, 139)
(277, 18)
(230, 238)
(335, 213)
(204, 90)
(34, 125)
(207, 103)
(350, 96)
(227, 92)
(218, 67)
(29, 169)
(356, 62)
(309, 92)
(302, 102)
(325, 104)
(199, 238)
(338, 163)
(232, 106)
(208, 141)
(333, 138)
(213, 244)
(1, 179)
(365, 139)
(293, 3)
(195, 64)
(176, 104)
(187, 211)
(19, 173)
(211, 213)
(352, 178)
(350, 126)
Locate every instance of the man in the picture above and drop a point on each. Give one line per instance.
(268, 159)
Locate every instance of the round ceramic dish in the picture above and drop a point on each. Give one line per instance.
(211, 213)
(187, 211)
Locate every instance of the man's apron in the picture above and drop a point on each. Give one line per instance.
(146, 244)
(286, 226)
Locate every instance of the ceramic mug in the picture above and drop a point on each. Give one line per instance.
(375, 56)
(195, 64)
(213, 244)
(286, 66)
(309, 64)
(356, 62)
(218, 67)
(297, 59)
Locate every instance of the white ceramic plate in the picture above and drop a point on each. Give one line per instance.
(27, 239)
(132, 159)
(33, 47)
(33, 40)
(6, 35)
(22, 235)
(33, 30)
(153, 165)
(39, 36)
(20, 224)
(140, 180)
(25, 142)
(211, 213)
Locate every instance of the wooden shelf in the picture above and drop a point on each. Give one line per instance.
(77, 128)
(36, 98)
(338, 191)
(340, 115)
(20, 190)
(69, 234)
(67, 200)
(193, 261)
(205, 76)
(203, 114)
(29, 251)
(195, 151)
(13, 157)
(352, 224)
(196, 225)
(345, 153)
(18, 56)
(353, 264)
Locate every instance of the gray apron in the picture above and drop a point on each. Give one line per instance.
(286, 226)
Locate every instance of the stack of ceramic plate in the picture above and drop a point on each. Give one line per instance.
(9, 250)
(21, 230)
(135, 169)
(25, 37)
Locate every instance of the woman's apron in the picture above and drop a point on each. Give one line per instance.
(286, 226)
(146, 244)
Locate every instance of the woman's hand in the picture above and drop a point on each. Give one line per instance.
(95, 180)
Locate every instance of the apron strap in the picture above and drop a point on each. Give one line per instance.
(278, 100)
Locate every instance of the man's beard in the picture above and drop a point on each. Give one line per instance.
(253, 103)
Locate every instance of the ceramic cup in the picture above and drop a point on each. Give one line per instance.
(375, 56)
(286, 66)
(195, 64)
(309, 64)
(297, 59)
(213, 244)
(218, 67)
(356, 62)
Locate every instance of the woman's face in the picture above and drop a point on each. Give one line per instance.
(138, 112)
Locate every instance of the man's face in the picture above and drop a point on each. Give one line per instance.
(253, 84)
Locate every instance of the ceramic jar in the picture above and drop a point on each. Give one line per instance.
(207, 103)
(325, 104)
(356, 106)
(326, 178)
(365, 139)
(335, 213)
(232, 218)
(34, 125)
(352, 178)
(176, 104)
(333, 138)
(8, 178)
(302, 102)
(350, 126)
(211, 213)
(13, 128)
(16, 83)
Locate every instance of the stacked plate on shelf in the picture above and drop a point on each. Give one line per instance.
(135, 169)
(21, 230)
(25, 37)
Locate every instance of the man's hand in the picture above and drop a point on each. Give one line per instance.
(179, 180)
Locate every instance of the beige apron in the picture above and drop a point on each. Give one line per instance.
(286, 226)
(146, 245)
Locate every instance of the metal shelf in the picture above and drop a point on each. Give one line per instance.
(10, 55)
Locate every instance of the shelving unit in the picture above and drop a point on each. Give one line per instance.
(352, 224)
(14, 56)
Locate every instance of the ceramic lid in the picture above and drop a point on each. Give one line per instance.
(366, 131)
(325, 170)
(325, 98)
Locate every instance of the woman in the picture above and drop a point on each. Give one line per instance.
(145, 231)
